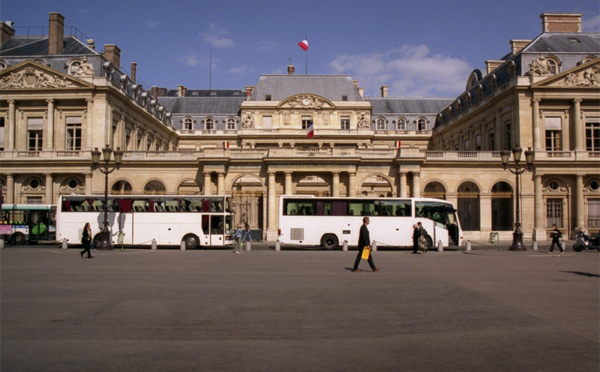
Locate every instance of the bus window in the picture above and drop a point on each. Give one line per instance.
(324, 208)
(356, 208)
(398, 208)
(299, 207)
(432, 210)
(217, 225)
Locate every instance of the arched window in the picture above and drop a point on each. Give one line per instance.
(121, 188)
(188, 123)
(421, 124)
(230, 124)
(73, 66)
(552, 66)
(401, 125)
(154, 188)
(209, 124)
(380, 124)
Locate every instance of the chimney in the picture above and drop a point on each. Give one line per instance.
(181, 91)
(291, 69)
(113, 54)
(249, 90)
(6, 31)
(384, 91)
(561, 22)
(154, 92)
(133, 71)
(91, 43)
(56, 32)
(492, 65)
(516, 45)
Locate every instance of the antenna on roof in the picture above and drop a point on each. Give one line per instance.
(210, 71)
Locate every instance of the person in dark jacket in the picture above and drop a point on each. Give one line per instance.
(415, 237)
(364, 240)
(556, 235)
(86, 240)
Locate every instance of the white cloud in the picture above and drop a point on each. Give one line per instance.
(591, 24)
(152, 24)
(192, 60)
(241, 70)
(217, 37)
(408, 71)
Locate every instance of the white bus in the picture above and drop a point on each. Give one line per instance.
(22, 223)
(137, 220)
(307, 220)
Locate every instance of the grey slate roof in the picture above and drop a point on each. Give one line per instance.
(209, 93)
(408, 105)
(202, 105)
(564, 43)
(38, 46)
(280, 87)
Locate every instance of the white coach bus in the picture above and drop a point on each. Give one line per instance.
(137, 220)
(307, 220)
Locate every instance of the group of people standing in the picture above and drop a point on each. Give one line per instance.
(241, 236)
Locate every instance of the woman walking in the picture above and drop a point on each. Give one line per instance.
(86, 240)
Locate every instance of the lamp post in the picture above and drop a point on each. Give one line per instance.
(517, 244)
(105, 239)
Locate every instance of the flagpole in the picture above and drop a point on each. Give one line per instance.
(306, 56)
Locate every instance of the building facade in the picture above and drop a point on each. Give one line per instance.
(60, 98)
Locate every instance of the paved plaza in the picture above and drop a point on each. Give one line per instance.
(296, 310)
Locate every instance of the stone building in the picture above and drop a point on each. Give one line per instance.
(60, 98)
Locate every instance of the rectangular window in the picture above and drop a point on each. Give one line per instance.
(345, 122)
(553, 142)
(492, 139)
(507, 126)
(1, 134)
(306, 122)
(593, 213)
(73, 140)
(478, 142)
(34, 200)
(35, 134)
(592, 134)
(554, 213)
(230, 124)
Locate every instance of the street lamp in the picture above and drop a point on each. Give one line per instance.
(517, 244)
(105, 239)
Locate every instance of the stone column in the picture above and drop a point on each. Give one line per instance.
(579, 201)
(49, 143)
(221, 183)
(11, 124)
(537, 143)
(89, 125)
(272, 208)
(416, 185)
(335, 187)
(539, 232)
(288, 183)
(10, 189)
(579, 141)
(402, 185)
(207, 183)
(49, 189)
(351, 184)
(88, 183)
(485, 214)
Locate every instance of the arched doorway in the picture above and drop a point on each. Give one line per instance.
(248, 202)
(434, 190)
(502, 207)
(188, 188)
(376, 185)
(469, 206)
(121, 188)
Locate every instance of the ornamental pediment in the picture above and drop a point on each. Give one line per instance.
(584, 76)
(32, 75)
(307, 101)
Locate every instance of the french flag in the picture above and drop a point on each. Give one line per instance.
(303, 44)
(310, 131)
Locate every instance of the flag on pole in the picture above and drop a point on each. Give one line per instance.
(310, 131)
(226, 144)
(398, 143)
(303, 44)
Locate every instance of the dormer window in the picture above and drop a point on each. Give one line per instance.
(209, 124)
(344, 98)
(268, 97)
(401, 124)
(188, 123)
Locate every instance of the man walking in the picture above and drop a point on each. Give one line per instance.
(364, 240)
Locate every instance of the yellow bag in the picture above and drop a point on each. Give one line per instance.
(366, 252)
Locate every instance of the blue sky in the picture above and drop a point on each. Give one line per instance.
(423, 48)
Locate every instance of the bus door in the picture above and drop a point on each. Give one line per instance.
(39, 226)
(217, 226)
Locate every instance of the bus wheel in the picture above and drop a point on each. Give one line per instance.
(329, 241)
(18, 238)
(191, 241)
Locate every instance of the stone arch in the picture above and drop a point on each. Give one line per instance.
(376, 184)
(72, 184)
(188, 186)
(155, 187)
(248, 192)
(33, 189)
(312, 184)
(469, 205)
(502, 206)
(121, 187)
(435, 189)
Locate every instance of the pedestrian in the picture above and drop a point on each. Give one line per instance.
(556, 236)
(86, 240)
(247, 237)
(364, 240)
(415, 237)
(421, 241)
(238, 239)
